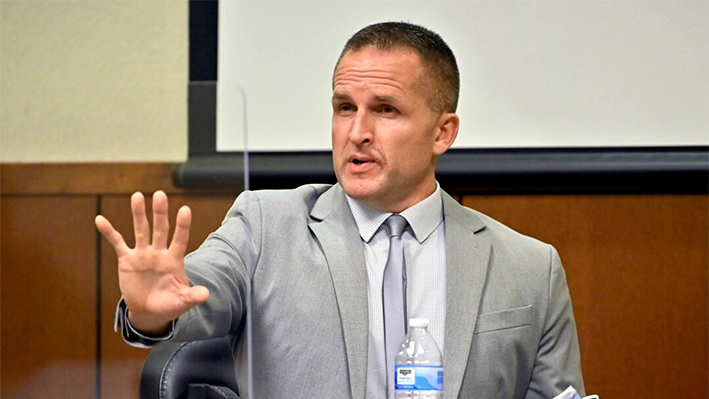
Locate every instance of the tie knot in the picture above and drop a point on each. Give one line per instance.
(396, 224)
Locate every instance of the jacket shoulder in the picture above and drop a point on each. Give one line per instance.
(272, 203)
(499, 232)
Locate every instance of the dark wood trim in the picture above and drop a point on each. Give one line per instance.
(89, 178)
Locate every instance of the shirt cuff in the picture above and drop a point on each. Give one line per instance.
(131, 335)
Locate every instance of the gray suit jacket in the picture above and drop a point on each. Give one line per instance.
(510, 330)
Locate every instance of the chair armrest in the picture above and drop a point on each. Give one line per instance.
(172, 367)
(203, 391)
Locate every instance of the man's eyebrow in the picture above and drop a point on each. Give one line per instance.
(340, 96)
(385, 99)
(379, 98)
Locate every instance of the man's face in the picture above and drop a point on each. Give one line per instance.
(385, 138)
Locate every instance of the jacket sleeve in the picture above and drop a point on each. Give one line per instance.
(558, 360)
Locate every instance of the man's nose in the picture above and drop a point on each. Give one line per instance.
(362, 131)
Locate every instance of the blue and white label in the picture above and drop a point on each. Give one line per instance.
(419, 378)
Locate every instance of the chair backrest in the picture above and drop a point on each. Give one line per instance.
(196, 369)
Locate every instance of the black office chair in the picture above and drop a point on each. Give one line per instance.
(190, 370)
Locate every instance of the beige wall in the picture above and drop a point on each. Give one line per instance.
(93, 81)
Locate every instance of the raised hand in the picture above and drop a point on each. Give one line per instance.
(152, 276)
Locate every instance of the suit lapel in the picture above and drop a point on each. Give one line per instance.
(336, 230)
(467, 260)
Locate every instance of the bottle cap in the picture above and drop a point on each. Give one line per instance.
(418, 323)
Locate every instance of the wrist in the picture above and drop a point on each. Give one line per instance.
(148, 325)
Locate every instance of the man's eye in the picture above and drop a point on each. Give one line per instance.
(388, 110)
(346, 108)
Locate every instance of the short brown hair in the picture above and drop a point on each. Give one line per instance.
(436, 57)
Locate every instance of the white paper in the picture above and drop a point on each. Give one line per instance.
(570, 393)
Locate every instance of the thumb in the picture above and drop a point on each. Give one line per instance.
(196, 295)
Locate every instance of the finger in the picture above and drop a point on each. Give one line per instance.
(114, 237)
(161, 224)
(178, 246)
(140, 221)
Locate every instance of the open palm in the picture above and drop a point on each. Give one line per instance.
(151, 276)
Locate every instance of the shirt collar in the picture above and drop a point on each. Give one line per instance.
(423, 217)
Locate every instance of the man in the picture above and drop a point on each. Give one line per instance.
(315, 257)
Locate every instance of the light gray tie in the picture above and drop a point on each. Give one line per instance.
(394, 296)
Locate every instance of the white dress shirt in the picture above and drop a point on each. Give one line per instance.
(425, 258)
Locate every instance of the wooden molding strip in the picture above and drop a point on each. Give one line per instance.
(90, 179)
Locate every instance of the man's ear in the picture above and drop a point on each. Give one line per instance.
(446, 132)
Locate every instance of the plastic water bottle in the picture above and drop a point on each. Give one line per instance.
(419, 364)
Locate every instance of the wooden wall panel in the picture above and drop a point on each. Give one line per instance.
(48, 290)
(637, 267)
(120, 363)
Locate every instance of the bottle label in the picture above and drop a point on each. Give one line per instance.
(419, 378)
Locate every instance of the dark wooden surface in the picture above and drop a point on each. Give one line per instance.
(48, 297)
(637, 267)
